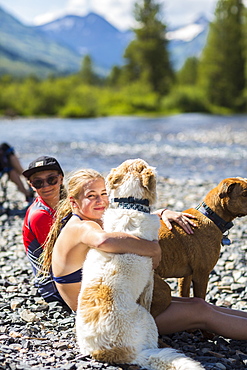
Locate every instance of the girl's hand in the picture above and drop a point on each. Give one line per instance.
(181, 218)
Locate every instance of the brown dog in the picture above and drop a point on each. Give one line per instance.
(192, 257)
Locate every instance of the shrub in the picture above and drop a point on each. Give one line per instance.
(185, 99)
(83, 102)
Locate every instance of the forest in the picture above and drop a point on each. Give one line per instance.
(146, 84)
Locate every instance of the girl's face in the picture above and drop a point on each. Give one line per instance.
(93, 201)
(47, 184)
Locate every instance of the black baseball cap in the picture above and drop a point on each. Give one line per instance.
(43, 163)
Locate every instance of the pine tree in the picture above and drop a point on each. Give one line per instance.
(147, 56)
(187, 75)
(221, 70)
(87, 74)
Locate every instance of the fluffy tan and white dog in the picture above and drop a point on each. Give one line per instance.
(113, 322)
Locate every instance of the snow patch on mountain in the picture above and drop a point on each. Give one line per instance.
(66, 23)
(186, 34)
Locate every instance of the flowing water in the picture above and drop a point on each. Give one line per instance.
(186, 146)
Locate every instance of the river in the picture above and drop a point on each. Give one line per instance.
(187, 146)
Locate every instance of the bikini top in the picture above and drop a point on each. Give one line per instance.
(74, 277)
(74, 214)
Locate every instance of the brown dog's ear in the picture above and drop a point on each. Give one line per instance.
(226, 189)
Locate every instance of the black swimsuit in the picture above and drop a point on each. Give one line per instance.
(74, 277)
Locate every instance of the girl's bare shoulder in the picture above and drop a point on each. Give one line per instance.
(81, 225)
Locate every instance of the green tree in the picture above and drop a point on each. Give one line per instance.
(245, 42)
(87, 74)
(221, 70)
(187, 75)
(114, 76)
(147, 56)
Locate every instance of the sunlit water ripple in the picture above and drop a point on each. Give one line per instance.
(187, 146)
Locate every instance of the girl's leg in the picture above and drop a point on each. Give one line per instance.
(230, 311)
(195, 313)
(225, 310)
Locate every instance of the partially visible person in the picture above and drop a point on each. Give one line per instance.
(78, 227)
(10, 164)
(45, 176)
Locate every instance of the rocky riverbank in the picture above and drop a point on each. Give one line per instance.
(36, 335)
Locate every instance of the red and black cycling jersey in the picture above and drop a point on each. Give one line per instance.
(37, 223)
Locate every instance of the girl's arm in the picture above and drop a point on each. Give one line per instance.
(118, 242)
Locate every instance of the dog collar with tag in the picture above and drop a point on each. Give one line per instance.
(222, 224)
(207, 211)
(141, 205)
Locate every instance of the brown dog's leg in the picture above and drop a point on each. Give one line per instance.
(200, 284)
(184, 284)
(161, 296)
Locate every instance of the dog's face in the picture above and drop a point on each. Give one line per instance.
(233, 195)
(133, 178)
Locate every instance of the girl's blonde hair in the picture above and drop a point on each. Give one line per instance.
(75, 187)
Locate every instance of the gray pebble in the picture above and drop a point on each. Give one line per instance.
(34, 334)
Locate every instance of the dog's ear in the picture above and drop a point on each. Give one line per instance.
(113, 178)
(227, 188)
(148, 179)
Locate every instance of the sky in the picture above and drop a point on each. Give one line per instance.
(118, 12)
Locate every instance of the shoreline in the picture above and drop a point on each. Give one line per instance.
(34, 334)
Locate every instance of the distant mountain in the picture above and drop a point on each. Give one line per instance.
(91, 35)
(24, 50)
(59, 46)
(187, 40)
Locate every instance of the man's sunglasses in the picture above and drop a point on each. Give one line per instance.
(40, 183)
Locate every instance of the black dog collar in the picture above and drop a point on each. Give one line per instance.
(207, 211)
(141, 205)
